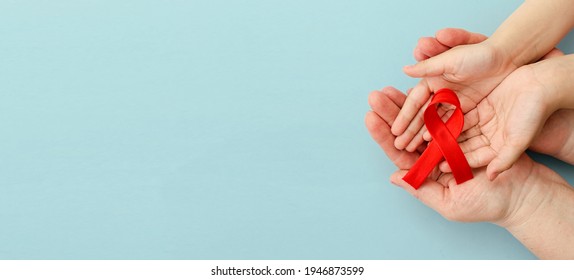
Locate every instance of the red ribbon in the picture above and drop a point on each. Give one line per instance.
(444, 142)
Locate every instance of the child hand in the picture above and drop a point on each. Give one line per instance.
(504, 125)
(472, 71)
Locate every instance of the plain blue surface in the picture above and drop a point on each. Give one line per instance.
(216, 130)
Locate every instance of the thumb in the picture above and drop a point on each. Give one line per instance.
(452, 37)
(430, 193)
(434, 66)
(503, 161)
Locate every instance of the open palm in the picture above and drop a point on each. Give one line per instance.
(508, 121)
(478, 199)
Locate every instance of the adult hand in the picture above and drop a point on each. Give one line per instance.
(385, 105)
(529, 200)
(476, 200)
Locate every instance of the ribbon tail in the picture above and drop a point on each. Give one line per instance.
(423, 166)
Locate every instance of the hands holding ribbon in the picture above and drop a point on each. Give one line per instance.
(477, 200)
(502, 126)
(528, 107)
(526, 110)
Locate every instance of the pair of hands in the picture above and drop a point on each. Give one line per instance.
(490, 122)
(506, 107)
(477, 200)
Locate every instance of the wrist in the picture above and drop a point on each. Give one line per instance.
(502, 53)
(556, 138)
(554, 78)
(545, 221)
(534, 29)
(533, 199)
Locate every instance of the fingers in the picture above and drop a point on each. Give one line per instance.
(431, 193)
(426, 136)
(479, 155)
(417, 98)
(446, 179)
(417, 140)
(378, 129)
(477, 152)
(470, 127)
(395, 95)
(503, 161)
(434, 66)
(381, 133)
(385, 105)
(444, 167)
(452, 37)
(433, 55)
(412, 130)
(413, 138)
(444, 40)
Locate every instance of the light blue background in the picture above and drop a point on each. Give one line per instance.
(216, 130)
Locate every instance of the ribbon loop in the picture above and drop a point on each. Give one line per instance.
(444, 142)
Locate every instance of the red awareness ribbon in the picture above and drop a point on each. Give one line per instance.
(444, 142)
